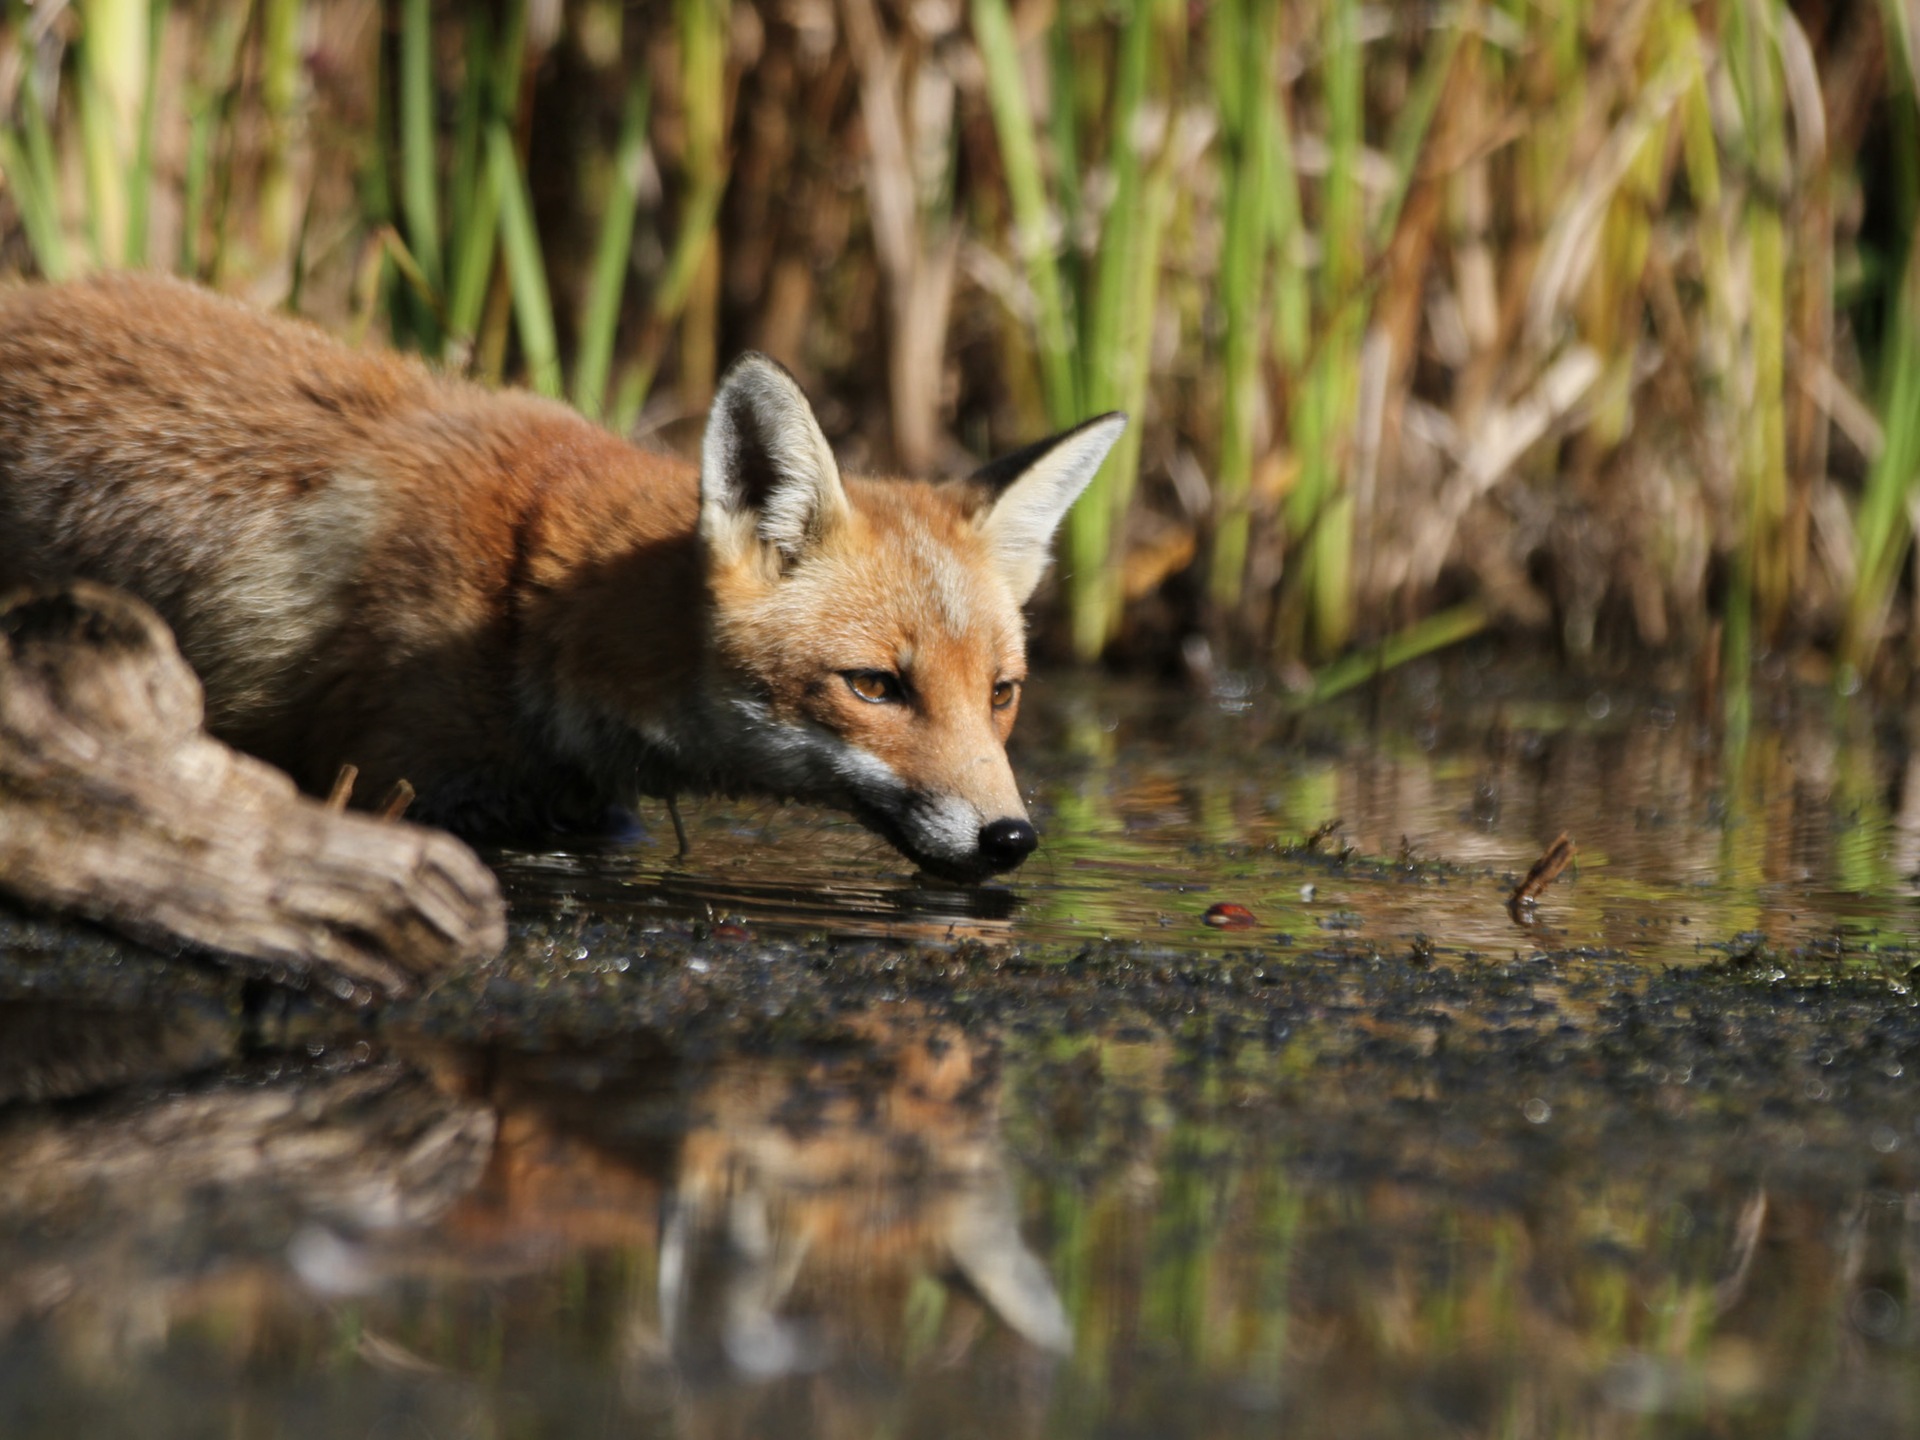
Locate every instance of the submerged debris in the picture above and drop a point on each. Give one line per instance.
(1321, 834)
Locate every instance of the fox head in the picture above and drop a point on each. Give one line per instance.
(868, 644)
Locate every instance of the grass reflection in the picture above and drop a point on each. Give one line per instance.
(1687, 837)
(1499, 1280)
(875, 1167)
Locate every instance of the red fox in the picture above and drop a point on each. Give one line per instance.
(531, 621)
(799, 1198)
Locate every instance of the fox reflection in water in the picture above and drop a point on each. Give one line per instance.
(808, 1189)
(786, 1209)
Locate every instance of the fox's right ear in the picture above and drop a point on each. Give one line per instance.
(1031, 491)
(766, 470)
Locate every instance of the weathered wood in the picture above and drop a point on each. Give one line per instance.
(116, 805)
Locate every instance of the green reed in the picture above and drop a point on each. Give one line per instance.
(1092, 317)
(1423, 637)
(520, 244)
(490, 99)
(1243, 56)
(1316, 612)
(1221, 227)
(212, 96)
(1119, 308)
(139, 181)
(114, 50)
(1033, 218)
(702, 27)
(1893, 484)
(1318, 512)
(28, 165)
(1273, 308)
(1757, 597)
(1887, 516)
(600, 308)
(419, 147)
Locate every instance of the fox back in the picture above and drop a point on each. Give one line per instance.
(531, 621)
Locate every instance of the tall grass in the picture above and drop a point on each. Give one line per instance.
(1595, 322)
(600, 309)
(1890, 507)
(1244, 55)
(1092, 337)
(27, 157)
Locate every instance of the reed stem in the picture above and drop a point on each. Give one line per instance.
(600, 312)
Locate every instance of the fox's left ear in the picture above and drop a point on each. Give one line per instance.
(1032, 491)
(765, 467)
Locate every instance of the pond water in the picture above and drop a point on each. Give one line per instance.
(776, 1139)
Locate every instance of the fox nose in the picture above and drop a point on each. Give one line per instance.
(1005, 843)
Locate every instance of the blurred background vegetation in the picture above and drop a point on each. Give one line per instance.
(1593, 321)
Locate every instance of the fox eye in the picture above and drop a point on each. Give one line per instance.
(876, 687)
(1003, 693)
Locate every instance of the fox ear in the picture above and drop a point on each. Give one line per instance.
(1032, 490)
(765, 467)
(983, 1238)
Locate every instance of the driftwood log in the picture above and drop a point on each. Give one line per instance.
(116, 806)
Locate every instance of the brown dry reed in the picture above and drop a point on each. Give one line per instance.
(1597, 322)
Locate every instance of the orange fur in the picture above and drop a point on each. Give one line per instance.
(847, 1176)
(523, 616)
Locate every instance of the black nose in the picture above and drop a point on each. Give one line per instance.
(1005, 843)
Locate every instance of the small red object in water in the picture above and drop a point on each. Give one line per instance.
(1227, 916)
(728, 931)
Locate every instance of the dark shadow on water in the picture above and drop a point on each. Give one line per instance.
(815, 899)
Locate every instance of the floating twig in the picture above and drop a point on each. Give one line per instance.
(1545, 871)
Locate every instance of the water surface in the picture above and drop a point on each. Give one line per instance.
(777, 1139)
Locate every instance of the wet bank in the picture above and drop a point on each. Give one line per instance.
(783, 1141)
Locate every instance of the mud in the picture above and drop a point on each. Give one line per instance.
(785, 1141)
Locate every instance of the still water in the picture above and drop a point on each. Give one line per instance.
(777, 1140)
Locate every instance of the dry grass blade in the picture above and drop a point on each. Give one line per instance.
(912, 241)
(1569, 250)
(1505, 435)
